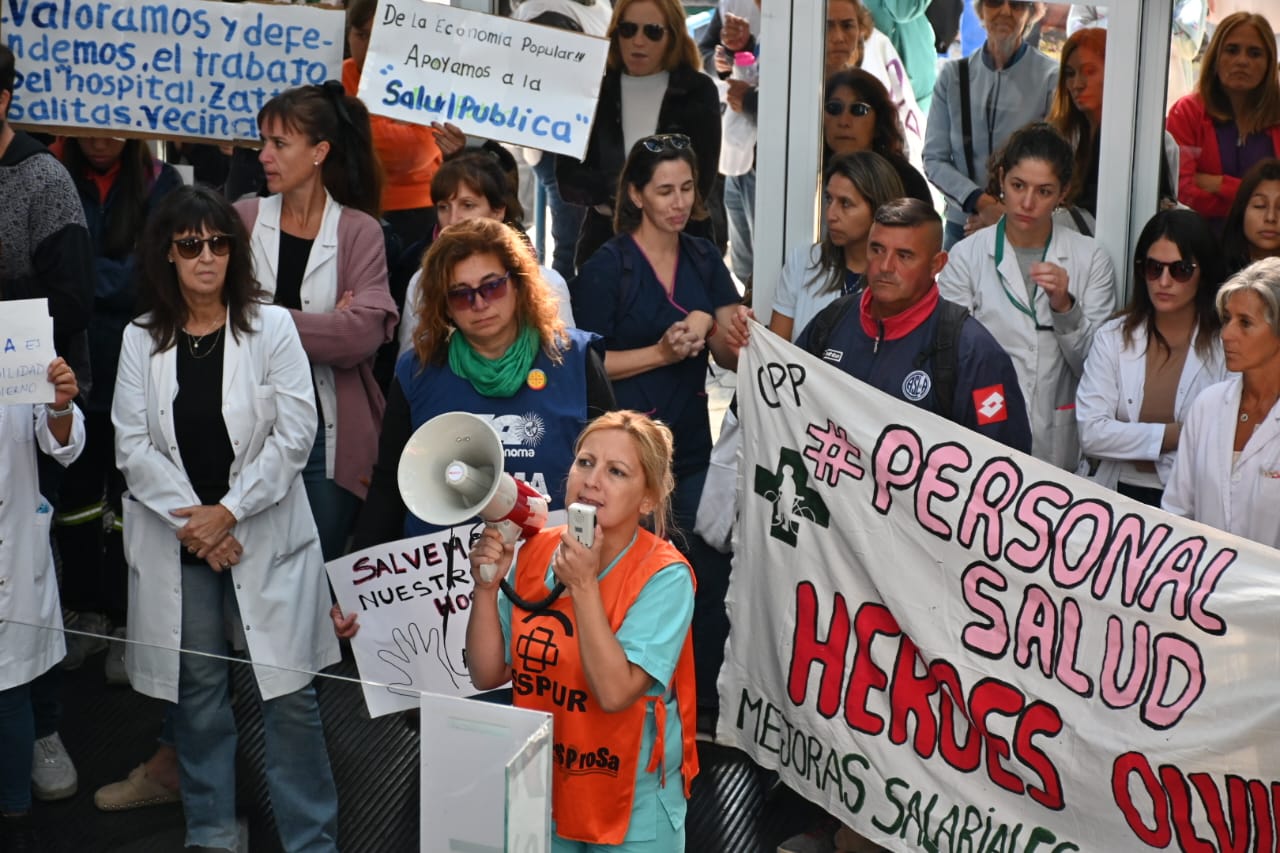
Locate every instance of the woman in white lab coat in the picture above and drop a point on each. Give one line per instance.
(215, 415)
(1042, 291)
(28, 586)
(1227, 473)
(1148, 365)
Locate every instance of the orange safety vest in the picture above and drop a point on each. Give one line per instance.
(595, 753)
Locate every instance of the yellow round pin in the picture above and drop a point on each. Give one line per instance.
(537, 379)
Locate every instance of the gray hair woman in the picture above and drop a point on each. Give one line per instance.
(1237, 420)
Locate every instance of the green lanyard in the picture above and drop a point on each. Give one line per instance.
(1029, 310)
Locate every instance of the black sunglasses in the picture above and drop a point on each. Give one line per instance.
(190, 248)
(463, 297)
(1181, 271)
(659, 142)
(1015, 5)
(653, 32)
(835, 109)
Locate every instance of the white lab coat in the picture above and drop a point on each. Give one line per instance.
(1049, 364)
(1110, 397)
(280, 584)
(28, 583)
(1205, 486)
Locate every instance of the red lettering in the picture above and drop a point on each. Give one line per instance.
(909, 696)
(807, 649)
(872, 619)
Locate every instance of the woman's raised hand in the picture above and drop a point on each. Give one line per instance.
(1053, 280)
(491, 550)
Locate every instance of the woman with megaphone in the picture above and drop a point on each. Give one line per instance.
(611, 659)
(489, 341)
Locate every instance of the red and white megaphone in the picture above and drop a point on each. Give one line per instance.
(451, 471)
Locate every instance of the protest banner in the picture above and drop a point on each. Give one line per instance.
(412, 599)
(494, 77)
(183, 68)
(952, 646)
(26, 349)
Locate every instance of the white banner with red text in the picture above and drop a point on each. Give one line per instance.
(952, 646)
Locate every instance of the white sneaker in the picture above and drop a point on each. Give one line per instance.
(94, 628)
(113, 667)
(53, 776)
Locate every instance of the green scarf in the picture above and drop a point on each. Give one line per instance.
(498, 377)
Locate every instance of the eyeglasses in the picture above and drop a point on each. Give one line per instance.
(653, 32)
(1014, 5)
(835, 109)
(191, 248)
(657, 143)
(464, 298)
(1181, 271)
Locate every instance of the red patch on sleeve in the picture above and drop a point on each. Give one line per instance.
(990, 405)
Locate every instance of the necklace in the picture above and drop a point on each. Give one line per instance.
(195, 343)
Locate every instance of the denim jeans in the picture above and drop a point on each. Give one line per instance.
(566, 218)
(711, 570)
(17, 743)
(333, 507)
(303, 795)
(740, 208)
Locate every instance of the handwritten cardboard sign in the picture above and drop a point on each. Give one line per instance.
(26, 348)
(412, 599)
(493, 77)
(183, 68)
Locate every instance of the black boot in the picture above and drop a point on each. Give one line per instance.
(18, 834)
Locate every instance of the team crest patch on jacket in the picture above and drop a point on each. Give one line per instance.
(916, 386)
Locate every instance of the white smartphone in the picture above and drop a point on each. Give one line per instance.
(582, 523)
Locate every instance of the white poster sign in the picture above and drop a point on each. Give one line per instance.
(169, 68)
(952, 646)
(493, 77)
(412, 599)
(26, 348)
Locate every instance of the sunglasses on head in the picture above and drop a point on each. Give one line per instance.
(1015, 5)
(653, 32)
(1181, 271)
(191, 247)
(463, 297)
(835, 109)
(665, 141)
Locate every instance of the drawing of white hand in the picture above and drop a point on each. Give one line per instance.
(409, 645)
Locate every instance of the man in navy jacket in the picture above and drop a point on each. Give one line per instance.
(892, 335)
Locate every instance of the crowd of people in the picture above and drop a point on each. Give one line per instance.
(237, 376)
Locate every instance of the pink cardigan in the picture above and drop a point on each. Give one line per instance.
(1192, 128)
(347, 341)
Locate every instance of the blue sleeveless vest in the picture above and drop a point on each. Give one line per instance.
(538, 425)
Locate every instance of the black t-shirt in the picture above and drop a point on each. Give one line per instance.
(294, 252)
(197, 418)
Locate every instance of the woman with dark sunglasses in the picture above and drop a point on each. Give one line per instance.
(664, 301)
(488, 340)
(319, 250)
(1149, 363)
(653, 84)
(857, 115)
(215, 416)
(1009, 84)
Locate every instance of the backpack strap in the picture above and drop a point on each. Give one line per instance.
(966, 120)
(826, 320)
(1078, 218)
(945, 352)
